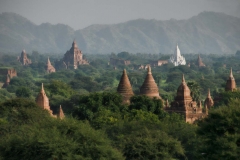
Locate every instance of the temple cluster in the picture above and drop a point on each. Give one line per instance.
(183, 102)
(72, 59)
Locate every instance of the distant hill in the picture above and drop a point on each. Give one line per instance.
(208, 32)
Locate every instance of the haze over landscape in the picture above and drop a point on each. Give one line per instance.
(114, 26)
(120, 79)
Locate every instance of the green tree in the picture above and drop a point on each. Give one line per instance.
(56, 139)
(23, 92)
(143, 140)
(147, 104)
(220, 133)
(195, 90)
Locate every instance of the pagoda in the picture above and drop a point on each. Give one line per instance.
(231, 84)
(49, 68)
(184, 104)
(42, 100)
(199, 62)
(125, 88)
(60, 114)
(149, 88)
(177, 59)
(74, 57)
(208, 101)
(24, 59)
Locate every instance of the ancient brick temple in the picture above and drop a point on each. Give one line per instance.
(125, 88)
(149, 88)
(208, 101)
(8, 71)
(42, 100)
(185, 105)
(60, 113)
(74, 57)
(231, 84)
(24, 59)
(199, 62)
(49, 68)
(117, 61)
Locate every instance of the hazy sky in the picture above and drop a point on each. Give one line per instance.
(82, 13)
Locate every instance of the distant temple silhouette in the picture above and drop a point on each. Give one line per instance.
(49, 68)
(24, 59)
(231, 84)
(74, 57)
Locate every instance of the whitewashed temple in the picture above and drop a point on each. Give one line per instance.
(177, 59)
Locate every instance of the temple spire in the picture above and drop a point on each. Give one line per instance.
(125, 88)
(208, 101)
(60, 114)
(183, 79)
(42, 89)
(231, 84)
(149, 88)
(48, 61)
(149, 70)
(231, 74)
(208, 95)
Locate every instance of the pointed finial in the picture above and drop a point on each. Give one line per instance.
(60, 107)
(42, 87)
(231, 74)
(208, 95)
(124, 71)
(149, 70)
(48, 61)
(183, 79)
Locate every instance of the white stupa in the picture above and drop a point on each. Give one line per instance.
(177, 59)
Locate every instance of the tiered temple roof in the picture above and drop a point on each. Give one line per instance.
(125, 88)
(149, 87)
(231, 84)
(208, 101)
(24, 59)
(49, 68)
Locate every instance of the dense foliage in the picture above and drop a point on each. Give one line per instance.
(99, 126)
